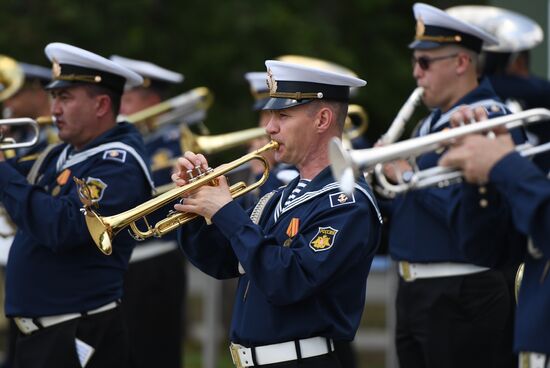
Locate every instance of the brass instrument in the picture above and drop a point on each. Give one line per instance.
(180, 107)
(103, 229)
(11, 77)
(356, 123)
(346, 165)
(190, 141)
(7, 143)
(518, 279)
(392, 135)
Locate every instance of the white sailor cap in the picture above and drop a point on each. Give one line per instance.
(321, 64)
(36, 73)
(73, 65)
(515, 32)
(258, 88)
(436, 28)
(153, 75)
(292, 84)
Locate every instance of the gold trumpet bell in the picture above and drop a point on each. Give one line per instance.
(101, 232)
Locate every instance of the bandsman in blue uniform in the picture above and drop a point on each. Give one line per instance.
(63, 293)
(527, 190)
(451, 311)
(155, 282)
(303, 253)
(280, 173)
(507, 65)
(30, 101)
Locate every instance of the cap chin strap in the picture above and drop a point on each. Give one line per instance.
(297, 95)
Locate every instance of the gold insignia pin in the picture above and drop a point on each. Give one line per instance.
(56, 69)
(271, 82)
(420, 28)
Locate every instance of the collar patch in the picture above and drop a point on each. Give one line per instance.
(340, 198)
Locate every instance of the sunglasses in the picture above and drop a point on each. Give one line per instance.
(424, 62)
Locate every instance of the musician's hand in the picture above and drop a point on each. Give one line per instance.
(394, 170)
(189, 161)
(476, 155)
(466, 115)
(207, 200)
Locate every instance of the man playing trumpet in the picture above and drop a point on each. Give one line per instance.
(447, 304)
(303, 255)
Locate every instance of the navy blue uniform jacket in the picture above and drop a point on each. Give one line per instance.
(434, 224)
(528, 192)
(54, 266)
(313, 286)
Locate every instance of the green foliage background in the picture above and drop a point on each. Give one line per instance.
(213, 43)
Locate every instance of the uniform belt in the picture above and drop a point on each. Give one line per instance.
(413, 271)
(282, 352)
(30, 325)
(533, 360)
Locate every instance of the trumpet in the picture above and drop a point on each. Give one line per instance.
(7, 143)
(346, 165)
(103, 229)
(179, 107)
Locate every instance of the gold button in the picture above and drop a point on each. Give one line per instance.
(482, 189)
(483, 203)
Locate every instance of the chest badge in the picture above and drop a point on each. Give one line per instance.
(324, 239)
(97, 188)
(291, 231)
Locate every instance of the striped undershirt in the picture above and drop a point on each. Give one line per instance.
(301, 185)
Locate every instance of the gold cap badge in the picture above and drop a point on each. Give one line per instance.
(420, 28)
(56, 69)
(271, 82)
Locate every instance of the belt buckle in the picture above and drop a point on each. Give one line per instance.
(406, 271)
(234, 349)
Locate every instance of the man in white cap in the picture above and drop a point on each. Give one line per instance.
(155, 264)
(452, 306)
(303, 253)
(62, 293)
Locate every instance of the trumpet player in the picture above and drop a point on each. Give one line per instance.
(31, 101)
(63, 297)
(303, 254)
(154, 344)
(451, 311)
(527, 189)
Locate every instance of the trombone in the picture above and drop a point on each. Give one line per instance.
(347, 164)
(103, 229)
(179, 107)
(208, 144)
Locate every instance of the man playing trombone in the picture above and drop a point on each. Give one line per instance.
(451, 311)
(303, 255)
(527, 189)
